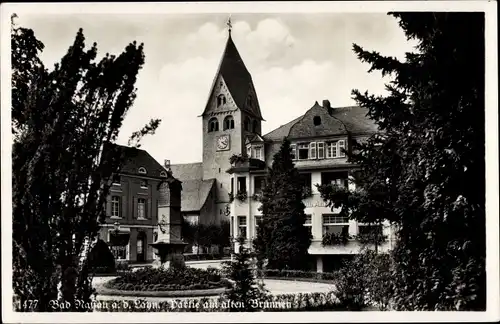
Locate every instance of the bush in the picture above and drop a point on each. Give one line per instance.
(335, 239)
(169, 279)
(100, 259)
(122, 266)
(365, 280)
(274, 273)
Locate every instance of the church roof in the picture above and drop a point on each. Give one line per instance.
(341, 120)
(195, 190)
(187, 171)
(195, 193)
(237, 79)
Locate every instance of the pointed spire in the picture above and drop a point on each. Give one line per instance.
(229, 25)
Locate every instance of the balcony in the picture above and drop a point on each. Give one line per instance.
(243, 164)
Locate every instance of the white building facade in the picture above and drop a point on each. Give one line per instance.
(318, 139)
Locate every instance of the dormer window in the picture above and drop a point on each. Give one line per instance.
(163, 174)
(213, 125)
(221, 100)
(142, 170)
(254, 126)
(317, 120)
(249, 101)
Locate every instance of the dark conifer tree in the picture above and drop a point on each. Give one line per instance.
(246, 293)
(425, 170)
(282, 238)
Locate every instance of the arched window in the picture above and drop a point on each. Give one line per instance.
(228, 122)
(142, 170)
(247, 124)
(317, 120)
(254, 126)
(213, 125)
(221, 100)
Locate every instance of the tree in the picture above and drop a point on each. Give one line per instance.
(425, 170)
(245, 294)
(282, 238)
(64, 122)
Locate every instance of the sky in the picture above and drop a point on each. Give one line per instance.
(294, 59)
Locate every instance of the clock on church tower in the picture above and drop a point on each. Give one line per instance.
(223, 142)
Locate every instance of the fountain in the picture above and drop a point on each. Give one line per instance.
(169, 245)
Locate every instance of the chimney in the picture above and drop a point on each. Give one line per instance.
(327, 106)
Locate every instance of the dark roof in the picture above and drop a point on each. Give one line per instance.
(195, 193)
(195, 190)
(187, 171)
(341, 120)
(237, 79)
(279, 133)
(135, 158)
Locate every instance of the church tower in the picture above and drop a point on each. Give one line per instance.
(232, 114)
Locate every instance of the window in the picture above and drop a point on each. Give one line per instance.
(221, 100)
(254, 126)
(303, 151)
(333, 223)
(213, 125)
(312, 150)
(341, 148)
(139, 245)
(142, 170)
(294, 151)
(144, 184)
(249, 101)
(335, 149)
(258, 152)
(232, 184)
(336, 178)
(259, 184)
(141, 208)
(247, 124)
(242, 226)
(119, 252)
(308, 223)
(331, 150)
(231, 227)
(370, 229)
(155, 236)
(116, 180)
(317, 120)
(115, 206)
(228, 122)
(334, 219)
(321, 150)
(242, 184)
(249, 151)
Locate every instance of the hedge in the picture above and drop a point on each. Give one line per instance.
(278, 303)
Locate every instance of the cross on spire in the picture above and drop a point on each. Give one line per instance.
(229, 25)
